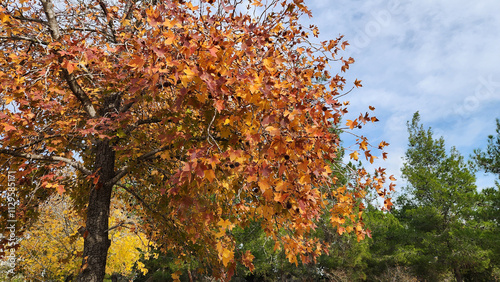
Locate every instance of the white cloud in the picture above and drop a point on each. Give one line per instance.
(438, 57)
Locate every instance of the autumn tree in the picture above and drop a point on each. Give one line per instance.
(204, 112)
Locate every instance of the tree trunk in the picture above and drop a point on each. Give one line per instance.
(458, 275)
(96, 241)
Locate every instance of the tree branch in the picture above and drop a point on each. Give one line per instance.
(132, 127)
(55, 31)
(133, 193)
(126, 107)
(35, 142)
(118, 225)
(122, 172)
(110, 21)
(48, 8)
(79, 93)
(22, 18)
(38, 157)
(146, 156)
(23, 38)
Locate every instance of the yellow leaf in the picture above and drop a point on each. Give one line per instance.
(189, 73)
(176, 276)
(354, 155)
(4, 18)
(226, 224)
(227, 256)
(363, 145)
(268, 63)
(8, 100)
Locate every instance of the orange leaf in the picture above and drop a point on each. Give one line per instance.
(8, 127)
(391, 187)
(137, 62)
(219, 105)
(247, 259)
(213, 51)
(69, 66)
(388, 203)
(273, 130)
(210, 175)
(363, 145)
(351, 123)
(382, 144)
(176, 275)
(264, 185)
(60, 189)
(226, 224)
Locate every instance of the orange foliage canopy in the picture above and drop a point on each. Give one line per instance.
(216, 112)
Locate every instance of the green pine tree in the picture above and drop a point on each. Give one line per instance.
(437, 209)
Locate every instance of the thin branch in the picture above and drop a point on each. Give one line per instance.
(35, 142)
(55, 31)
(126, 107)
(23, 38)
(82, 29)
(22, 18)
(110, 21)
(133, 193)
(132, 127)
(149, 155)
(341, 95)
(210, 135)
(38, 157)
(122, 172)
(118, 225)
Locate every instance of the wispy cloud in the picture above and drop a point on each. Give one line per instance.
(437, 57)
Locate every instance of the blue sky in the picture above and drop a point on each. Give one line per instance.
(438, 57)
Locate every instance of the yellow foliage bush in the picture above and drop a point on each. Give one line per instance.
(52, 248)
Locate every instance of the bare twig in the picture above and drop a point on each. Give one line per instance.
(38, 157)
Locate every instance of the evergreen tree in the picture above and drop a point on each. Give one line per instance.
(489, 206)
(437, 209)
(489, 160)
